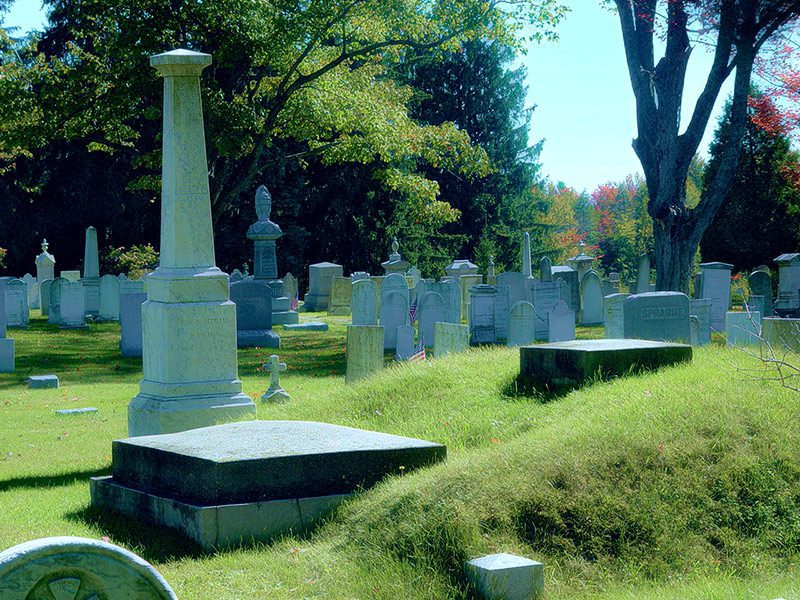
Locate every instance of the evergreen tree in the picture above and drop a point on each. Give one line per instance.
(761, 215)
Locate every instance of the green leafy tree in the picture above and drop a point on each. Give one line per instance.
(761, 215)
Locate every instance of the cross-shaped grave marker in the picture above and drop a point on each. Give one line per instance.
(274, 393)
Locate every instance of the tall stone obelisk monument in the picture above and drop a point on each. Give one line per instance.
(188, 322)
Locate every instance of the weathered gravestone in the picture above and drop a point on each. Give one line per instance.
(659, 316)
(755, 304)
(394, 308)
(253, 480)
(545, 269)
(45, 269)
(545, 295)
(787, 303)
(16, 293)
(319, 285)
(614, 317)
(74, 568)
(405, 342)
(591, 288)
(715, 283)
(253, 302)
(561, 323)
(643, 275)
(72, 314)
(570, 277)
(6, 345)
(502, 312)
(44, 296)
(364, 351)
(432, 311)
(188, 322)
(566, 365)
(236, 276)
(450, 338)
(521, 324)
(131, 298)
(71, 275)
(54, 304)
(694, 330)
(33, 290)
(742, 328)
(339, 302)
(761, 285)
(518, 289)
(109, 298)
(363, 302)
(91, 273)
(482, 314)
(701, 308)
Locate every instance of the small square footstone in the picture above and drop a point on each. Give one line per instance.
(564, 365)
(42, 382)
(307, 326)
(224, 484)
(506, 577)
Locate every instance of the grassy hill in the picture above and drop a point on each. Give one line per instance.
(683, 483)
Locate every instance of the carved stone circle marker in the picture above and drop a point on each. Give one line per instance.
(74, 568)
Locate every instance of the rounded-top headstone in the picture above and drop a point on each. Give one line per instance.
(77, 568)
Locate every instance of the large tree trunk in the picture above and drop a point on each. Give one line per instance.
(675, 247)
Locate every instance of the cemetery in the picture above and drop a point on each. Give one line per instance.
(465, 390)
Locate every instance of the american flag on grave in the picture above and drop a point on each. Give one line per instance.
(295, 302)
(412, 312)
(420, 353)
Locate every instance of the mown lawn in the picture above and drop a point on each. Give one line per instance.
(679, 484)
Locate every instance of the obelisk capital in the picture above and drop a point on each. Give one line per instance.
(180, 63)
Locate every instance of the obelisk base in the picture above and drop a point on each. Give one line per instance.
(148, 415)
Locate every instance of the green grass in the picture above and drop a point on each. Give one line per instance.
(683, 483)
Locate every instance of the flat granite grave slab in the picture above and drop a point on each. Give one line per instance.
(42, 382)
(561, 365)
(230, 483)
(307, 326)
(76, 411)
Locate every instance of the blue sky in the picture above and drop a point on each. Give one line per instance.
(580, 86)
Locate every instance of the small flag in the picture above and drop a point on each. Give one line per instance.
(419, 354)
(295, 302)
(412, 312)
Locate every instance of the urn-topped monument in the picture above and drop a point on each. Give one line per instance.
(188, 323)
(264, 234)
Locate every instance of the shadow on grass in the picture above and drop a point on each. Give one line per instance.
(151, 541)
(517, 389)
(307, 353)
(76, 356)
(50, 481)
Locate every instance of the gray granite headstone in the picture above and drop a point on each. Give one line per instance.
(545, 295)
(561, 323)
(339, 300)
(502, 310)
(394, 308)
(787, 302)
(43, 382)
(570, 277)
(658, 316)
(33, 290)
(109, 298)
(363, 302)
(44, 297)
(546, 269)
(716, 284)
(761, 285)
(450, 338)
(694, 330)
(433, 311)
(364, 351)
(253, 315)
(131, 298)
(319, 284)
(6, 345)
(54, 304)
(73, 305)
(613, 307)
(591, 288)
(516, 284)
(506, 577)
(643, 275)
(482, 314)
(781, 334)
(522, 324)
(16, 293)
(290, 286)
(701, 308)
(742, 328)
(405, 342)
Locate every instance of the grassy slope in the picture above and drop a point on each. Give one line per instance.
(682, 483)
